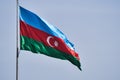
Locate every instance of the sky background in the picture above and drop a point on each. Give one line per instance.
(92, 25)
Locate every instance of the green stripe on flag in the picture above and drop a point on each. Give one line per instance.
(38, 47)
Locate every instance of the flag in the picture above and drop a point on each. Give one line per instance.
(38, 36)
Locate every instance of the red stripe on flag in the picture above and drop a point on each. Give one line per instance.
(45, 38)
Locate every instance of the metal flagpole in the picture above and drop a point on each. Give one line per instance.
(17, 49)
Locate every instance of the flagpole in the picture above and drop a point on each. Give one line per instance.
(17, 49)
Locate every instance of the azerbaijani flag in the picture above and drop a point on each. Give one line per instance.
(38, 36)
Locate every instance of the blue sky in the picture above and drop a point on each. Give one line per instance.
(92, 25)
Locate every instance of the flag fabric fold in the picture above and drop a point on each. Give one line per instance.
(38, 36)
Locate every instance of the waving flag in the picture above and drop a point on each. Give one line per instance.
(38, 36)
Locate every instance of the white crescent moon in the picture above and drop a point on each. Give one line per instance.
(48, 40)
